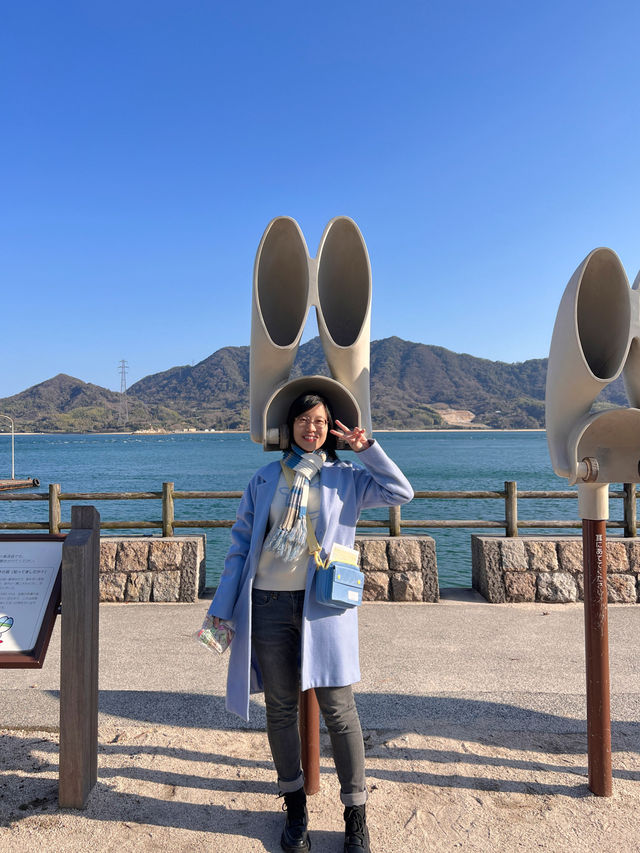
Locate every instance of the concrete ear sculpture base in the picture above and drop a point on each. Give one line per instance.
(279, 311)
(344, 308)
(595, 339)
(343, 405)
(612, 439)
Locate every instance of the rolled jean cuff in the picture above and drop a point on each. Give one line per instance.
(290, 787)
(354, 798)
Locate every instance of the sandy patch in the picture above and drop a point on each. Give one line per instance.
(179, 789)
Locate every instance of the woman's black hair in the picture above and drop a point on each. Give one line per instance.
(301, 405)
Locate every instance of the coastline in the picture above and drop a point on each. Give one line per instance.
(246, 432)
(463, 429)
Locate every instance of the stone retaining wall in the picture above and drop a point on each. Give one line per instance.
(549, 569)
(151, 568)
(399, 568)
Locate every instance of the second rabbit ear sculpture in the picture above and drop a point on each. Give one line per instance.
(596, 338)
(286, 283)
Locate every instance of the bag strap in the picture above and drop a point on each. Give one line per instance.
(312, 541)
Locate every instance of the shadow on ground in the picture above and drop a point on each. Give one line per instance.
(447, 743)
(138, 779)
(488, 721)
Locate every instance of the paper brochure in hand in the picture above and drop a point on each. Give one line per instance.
(215, 639)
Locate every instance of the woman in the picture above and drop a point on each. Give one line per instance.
(284, 637)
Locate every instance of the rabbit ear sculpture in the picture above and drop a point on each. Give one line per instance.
(631, 370)
(286, 283)
(595, 339)
(279, 310)
(343, 308)
(344, 407)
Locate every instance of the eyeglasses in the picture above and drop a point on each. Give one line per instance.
(318, 423)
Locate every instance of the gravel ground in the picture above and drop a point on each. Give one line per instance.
(204, 789)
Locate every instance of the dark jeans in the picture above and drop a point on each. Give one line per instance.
(276, 624)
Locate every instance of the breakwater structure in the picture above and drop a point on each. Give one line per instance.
(398, 556)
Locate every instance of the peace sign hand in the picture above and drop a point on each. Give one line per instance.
(356, 438)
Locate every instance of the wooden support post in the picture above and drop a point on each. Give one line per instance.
(79, 659)
(394, 521)
(167, 509)
(310, 740)
(511, 507)
(630, 512)
(54, 508)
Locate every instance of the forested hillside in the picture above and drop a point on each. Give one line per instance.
(413, 386)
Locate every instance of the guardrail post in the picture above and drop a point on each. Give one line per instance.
(394, 521)
(630, 513)
(79, 659)
(511, 507)
(54, 508)
(167, 509)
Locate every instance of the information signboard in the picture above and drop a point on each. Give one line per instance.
(29, 597)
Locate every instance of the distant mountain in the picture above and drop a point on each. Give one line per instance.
(413, 386)
(67, 404)
(212, 393)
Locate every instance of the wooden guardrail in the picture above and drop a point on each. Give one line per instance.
(395, 524)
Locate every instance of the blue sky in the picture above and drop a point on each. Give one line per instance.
(484, 148)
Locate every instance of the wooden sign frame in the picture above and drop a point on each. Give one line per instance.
(34, 658)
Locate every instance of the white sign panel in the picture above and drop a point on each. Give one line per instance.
(28, 571)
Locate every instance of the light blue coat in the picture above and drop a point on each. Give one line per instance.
(330, 656)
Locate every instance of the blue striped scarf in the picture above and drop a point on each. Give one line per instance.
(288, 537)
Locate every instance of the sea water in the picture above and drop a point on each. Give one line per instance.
(452, 461)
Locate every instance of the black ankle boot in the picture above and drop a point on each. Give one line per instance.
(295, 837)
(356, 834)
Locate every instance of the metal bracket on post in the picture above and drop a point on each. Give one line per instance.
(79, 659)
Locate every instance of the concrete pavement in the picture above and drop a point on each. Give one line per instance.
(422, 665)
